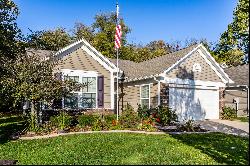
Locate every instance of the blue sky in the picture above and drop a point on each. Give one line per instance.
(149, 20)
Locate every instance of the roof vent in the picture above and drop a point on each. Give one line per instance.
(223, 65)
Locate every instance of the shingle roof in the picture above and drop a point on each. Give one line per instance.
(152, 66)
(136, 70)
(239, 74)
(40, 53)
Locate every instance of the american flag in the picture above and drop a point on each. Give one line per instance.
(118, 35)
(118, 30)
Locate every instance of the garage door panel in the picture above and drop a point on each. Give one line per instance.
(194, 104)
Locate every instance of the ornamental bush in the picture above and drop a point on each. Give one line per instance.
(129, 118)
(62, 121)
(166, 115)
(109, 119)
(143, 112)
(87, 120)
(147, 124)
(228, 113)
(96, 122)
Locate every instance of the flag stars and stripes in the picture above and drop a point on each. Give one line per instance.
(118, 35)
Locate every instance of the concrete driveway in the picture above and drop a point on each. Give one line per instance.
(236, 124)
(226, 126)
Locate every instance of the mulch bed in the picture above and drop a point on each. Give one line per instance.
(8, 162)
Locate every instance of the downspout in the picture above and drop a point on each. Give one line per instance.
(247, 100)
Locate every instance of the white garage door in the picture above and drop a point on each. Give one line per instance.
(196, 104)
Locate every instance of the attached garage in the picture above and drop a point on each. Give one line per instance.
(189, 81)
(194, 103)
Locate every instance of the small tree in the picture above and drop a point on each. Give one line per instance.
(29, 78)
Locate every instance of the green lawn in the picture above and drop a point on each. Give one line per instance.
(242, 119)
(9, 125)
(128, 148)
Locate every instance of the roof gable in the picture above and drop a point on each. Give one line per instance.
(194, 67)
(208, 59)
(85, 46)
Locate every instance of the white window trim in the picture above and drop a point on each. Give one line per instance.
(81, 74)
(149, 102)
(96, 91)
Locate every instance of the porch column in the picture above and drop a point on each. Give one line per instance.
(159, 93)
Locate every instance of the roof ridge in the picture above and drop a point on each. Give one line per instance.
(240, 65)
(161, 55)
(173, 52)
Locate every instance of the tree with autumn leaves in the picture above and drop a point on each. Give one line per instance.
(231, 48)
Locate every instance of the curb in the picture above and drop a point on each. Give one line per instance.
(111, 131)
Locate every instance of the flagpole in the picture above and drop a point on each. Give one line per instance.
(117, 86)
(117, 76)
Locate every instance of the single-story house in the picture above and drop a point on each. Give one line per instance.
(189, 81)
(237, 94)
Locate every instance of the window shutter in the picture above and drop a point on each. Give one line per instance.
(100, 98)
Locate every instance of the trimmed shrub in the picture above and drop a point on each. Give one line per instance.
(143, 112)
(96, 121)
(100, 124)
(166, 116)
(228, 113)
(87, 120)
(129, 118)
(109, 119)
(62, 121)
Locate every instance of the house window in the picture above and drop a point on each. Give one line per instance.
(71, 78)
(145, 101)
(74, 79)
(71, 101)
(83, 96)
(88, 96)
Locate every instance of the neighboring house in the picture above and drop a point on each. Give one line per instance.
(189, 81)
(237, 94)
